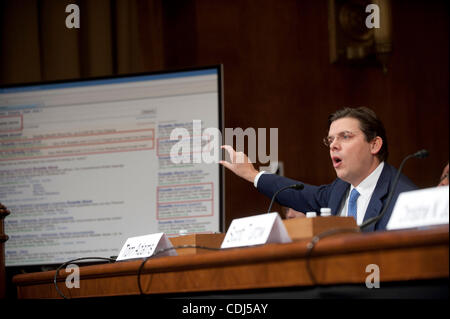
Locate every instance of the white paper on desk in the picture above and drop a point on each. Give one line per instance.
(420, 208)
(256, 230)
(145, 246)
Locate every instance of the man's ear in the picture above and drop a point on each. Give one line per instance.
(375, 145)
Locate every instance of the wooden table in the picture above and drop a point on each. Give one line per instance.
(402, 256)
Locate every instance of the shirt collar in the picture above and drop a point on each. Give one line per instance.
(367, 186)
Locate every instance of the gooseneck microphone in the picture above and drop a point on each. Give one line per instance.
(418, 154)
(295, 186)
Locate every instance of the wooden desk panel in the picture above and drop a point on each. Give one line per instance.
(400, 255)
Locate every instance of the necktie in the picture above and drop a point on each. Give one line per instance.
(352, 203)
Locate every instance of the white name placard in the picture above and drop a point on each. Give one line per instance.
(420, 208)
(256, 230)
(145, 246)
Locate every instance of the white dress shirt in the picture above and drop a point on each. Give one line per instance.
(365, 189)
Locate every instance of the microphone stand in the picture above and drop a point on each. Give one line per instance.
(295, 186)
(419, 154)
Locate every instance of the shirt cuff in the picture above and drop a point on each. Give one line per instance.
(255, 182)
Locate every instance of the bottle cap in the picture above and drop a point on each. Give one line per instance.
(311, 214)
(325, 211)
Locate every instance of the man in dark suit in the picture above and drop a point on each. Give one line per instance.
(358, 151)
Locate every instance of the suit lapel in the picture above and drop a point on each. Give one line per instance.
(338, 195)
(381, 190)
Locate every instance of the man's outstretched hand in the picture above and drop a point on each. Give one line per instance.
(240, 164)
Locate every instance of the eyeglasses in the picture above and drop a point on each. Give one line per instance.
(343, 136)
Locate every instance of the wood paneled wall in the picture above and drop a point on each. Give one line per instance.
(277, 74)
(276, 70)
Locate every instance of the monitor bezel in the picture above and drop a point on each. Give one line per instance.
(220, 83)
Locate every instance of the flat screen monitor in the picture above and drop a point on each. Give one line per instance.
(86, 164)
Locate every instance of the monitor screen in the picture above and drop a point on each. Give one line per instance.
(86, 164)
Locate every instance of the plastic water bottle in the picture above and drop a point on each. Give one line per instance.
(325, 211)
(311, 214)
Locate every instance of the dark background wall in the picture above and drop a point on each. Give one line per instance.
(277, 70)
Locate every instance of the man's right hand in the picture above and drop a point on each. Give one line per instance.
(292, 213)
(240, 164)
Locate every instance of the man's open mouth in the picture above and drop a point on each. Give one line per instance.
(336, 161)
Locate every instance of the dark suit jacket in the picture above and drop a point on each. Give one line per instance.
(312, 198)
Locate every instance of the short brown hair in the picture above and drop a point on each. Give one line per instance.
(369, 124)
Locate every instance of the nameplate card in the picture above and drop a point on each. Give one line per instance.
(256, 230)
(145, 246)
(420, 208)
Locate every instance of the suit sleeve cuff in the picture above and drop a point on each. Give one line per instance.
(255, 182)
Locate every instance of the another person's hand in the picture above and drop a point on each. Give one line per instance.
(444, 177)
(240, 164)
(292, 213)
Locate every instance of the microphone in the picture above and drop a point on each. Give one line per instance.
(419, 154)
(295, 186)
